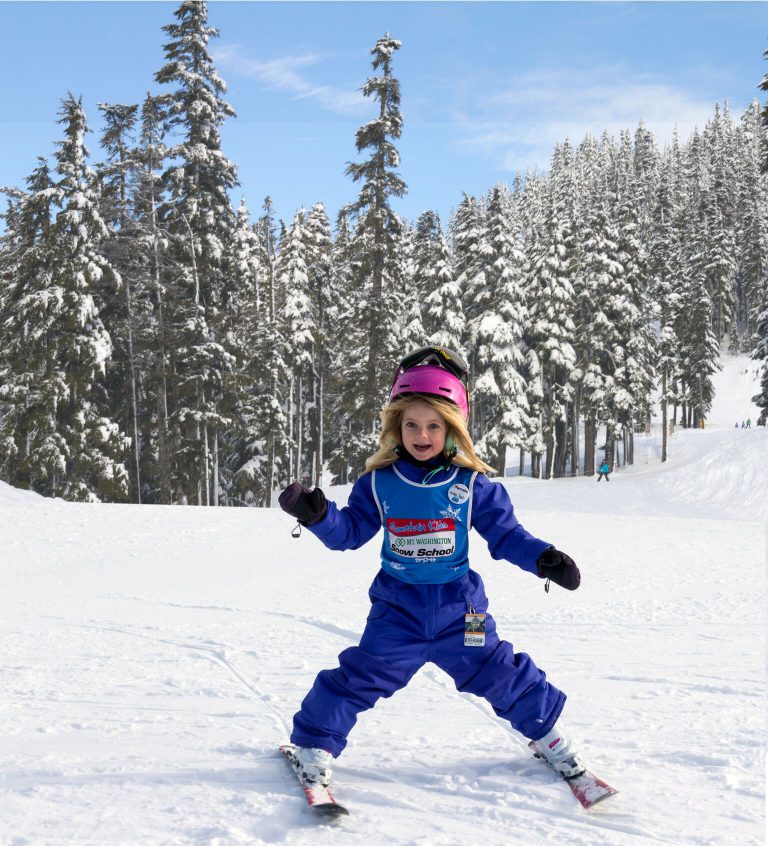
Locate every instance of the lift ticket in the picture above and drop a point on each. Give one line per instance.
(474, 630)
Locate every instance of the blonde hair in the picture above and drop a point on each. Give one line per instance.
(456, 434)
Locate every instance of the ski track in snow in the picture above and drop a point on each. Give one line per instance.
(153, 658)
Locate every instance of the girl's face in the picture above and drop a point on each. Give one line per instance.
(423, 430)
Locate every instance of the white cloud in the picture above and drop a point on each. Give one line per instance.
(286, 74)
(521, 122)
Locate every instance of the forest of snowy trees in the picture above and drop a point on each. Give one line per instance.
(159, 345)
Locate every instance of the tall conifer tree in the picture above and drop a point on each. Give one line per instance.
(31, 448)
(120, 313)
(760, 352)
(92, 445)
(199, 219)
(551, 306)
(442, 312)
(324, 299)
(377, 237)
(498, 336)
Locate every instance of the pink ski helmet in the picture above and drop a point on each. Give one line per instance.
(435, 371)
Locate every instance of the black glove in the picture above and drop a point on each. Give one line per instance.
(307, 506)
(559, 567)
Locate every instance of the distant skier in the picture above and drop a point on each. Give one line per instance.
(749, 423)
(604, 470)
(426, 487)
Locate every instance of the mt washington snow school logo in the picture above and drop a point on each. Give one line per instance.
(420, 539)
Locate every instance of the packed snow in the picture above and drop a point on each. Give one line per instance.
(153, 657)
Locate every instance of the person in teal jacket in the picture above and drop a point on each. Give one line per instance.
(604, 470)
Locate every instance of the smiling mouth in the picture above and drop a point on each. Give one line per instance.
(422, 447)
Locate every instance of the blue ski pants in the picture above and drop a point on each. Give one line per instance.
(408, 626)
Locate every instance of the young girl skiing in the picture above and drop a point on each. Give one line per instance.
(426, 487)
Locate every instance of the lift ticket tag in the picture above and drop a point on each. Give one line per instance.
(474, 629)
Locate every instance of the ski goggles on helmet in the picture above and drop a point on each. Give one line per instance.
(441, 356)
(435, 371)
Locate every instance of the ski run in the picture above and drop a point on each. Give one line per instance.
(153, 657)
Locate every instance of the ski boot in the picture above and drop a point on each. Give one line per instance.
(559, 752)
(314, 767)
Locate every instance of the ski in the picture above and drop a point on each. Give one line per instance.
(319, 798)
(587, 787)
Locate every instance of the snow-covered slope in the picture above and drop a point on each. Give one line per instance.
(152, 658)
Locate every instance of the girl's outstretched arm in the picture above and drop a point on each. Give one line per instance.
(355, 524)
(494, 517)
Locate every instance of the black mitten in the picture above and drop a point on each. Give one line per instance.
(559, 567)
(307, 506)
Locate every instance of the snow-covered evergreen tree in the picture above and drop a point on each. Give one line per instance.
(264, 427)
(31, 449)
(701, 350)
(764, 114)
(631, 310)
(550, 299)
(497, 337)
(751, 225)
(719, 262)
(646, 162)
(200, 175)
(377, 242)
(324, 298)
(443, 311)
(293, 278)
(760, 352)
(199, 220)
(663, 267)
(120, 313)
(698, 348)
(340, 395)
(91, 446)
(153, 345)
(467, 231)
(240, 316)
(408, 326)
(596, 338)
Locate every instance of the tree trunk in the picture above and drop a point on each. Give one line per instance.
(299, 428)
(320, 427)
(290, 424)
(610, 452)
(163, 452)
(269, 479)
(163, 435)
(215, 468)
(590, 443)
(551, 451)
(134, 395)
(575, 441)
(664, 425)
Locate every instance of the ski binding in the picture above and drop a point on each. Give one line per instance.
(319, 798)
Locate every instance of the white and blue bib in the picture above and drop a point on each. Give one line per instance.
(426, 527)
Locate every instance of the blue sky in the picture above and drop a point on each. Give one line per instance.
(487, 88)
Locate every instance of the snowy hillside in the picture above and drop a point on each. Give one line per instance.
(152, 658)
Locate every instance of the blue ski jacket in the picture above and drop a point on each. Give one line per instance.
(492, 515)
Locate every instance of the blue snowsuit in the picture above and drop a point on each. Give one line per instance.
(420, 598)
